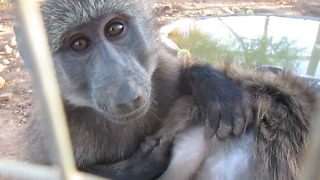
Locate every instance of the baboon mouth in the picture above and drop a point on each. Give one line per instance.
(131, 116)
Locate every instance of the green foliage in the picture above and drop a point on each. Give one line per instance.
(262, 51)
(200, 45)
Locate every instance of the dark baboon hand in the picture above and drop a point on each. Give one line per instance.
(224, 106)
(227, 117)
(149, 162)
(152, 159)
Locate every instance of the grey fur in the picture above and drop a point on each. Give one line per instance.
(61, 16)
(95, 137)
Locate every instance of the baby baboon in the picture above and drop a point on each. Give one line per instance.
(119, 84)
(270, 148)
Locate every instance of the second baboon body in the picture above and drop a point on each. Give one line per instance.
(272, 146)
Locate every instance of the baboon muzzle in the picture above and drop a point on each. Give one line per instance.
(128, 97)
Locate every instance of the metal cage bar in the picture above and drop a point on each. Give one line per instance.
(36, 51)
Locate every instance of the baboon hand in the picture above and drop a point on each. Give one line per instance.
(224, 106)
(230, 116)
(149, 162)
(151, 159)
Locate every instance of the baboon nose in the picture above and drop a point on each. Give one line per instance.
(128, 97)
(131, 104)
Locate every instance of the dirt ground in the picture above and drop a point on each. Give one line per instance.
(15, 82)
(170, 11)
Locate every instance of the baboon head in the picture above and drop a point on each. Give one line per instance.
(105, 54)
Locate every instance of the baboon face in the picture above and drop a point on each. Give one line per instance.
(107, 64)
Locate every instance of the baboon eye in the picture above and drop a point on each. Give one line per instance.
(114, 29)
(80, 44)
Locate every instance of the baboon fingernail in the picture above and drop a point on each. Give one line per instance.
(208, 132)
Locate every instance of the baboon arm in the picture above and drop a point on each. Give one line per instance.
(225, 107)
(149, 162)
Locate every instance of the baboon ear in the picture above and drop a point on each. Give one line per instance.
(21, 42)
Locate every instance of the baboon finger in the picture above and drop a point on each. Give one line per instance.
(151, 142)
(226, 123)
(239, 122)
(168, 138)
(212, 123)
(248, 115)
(163, 150)
(146, 147)
(247, 108)
(239, 126)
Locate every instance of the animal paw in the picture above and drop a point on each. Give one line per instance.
(224, 106)
(229, 117)
(152, 158)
